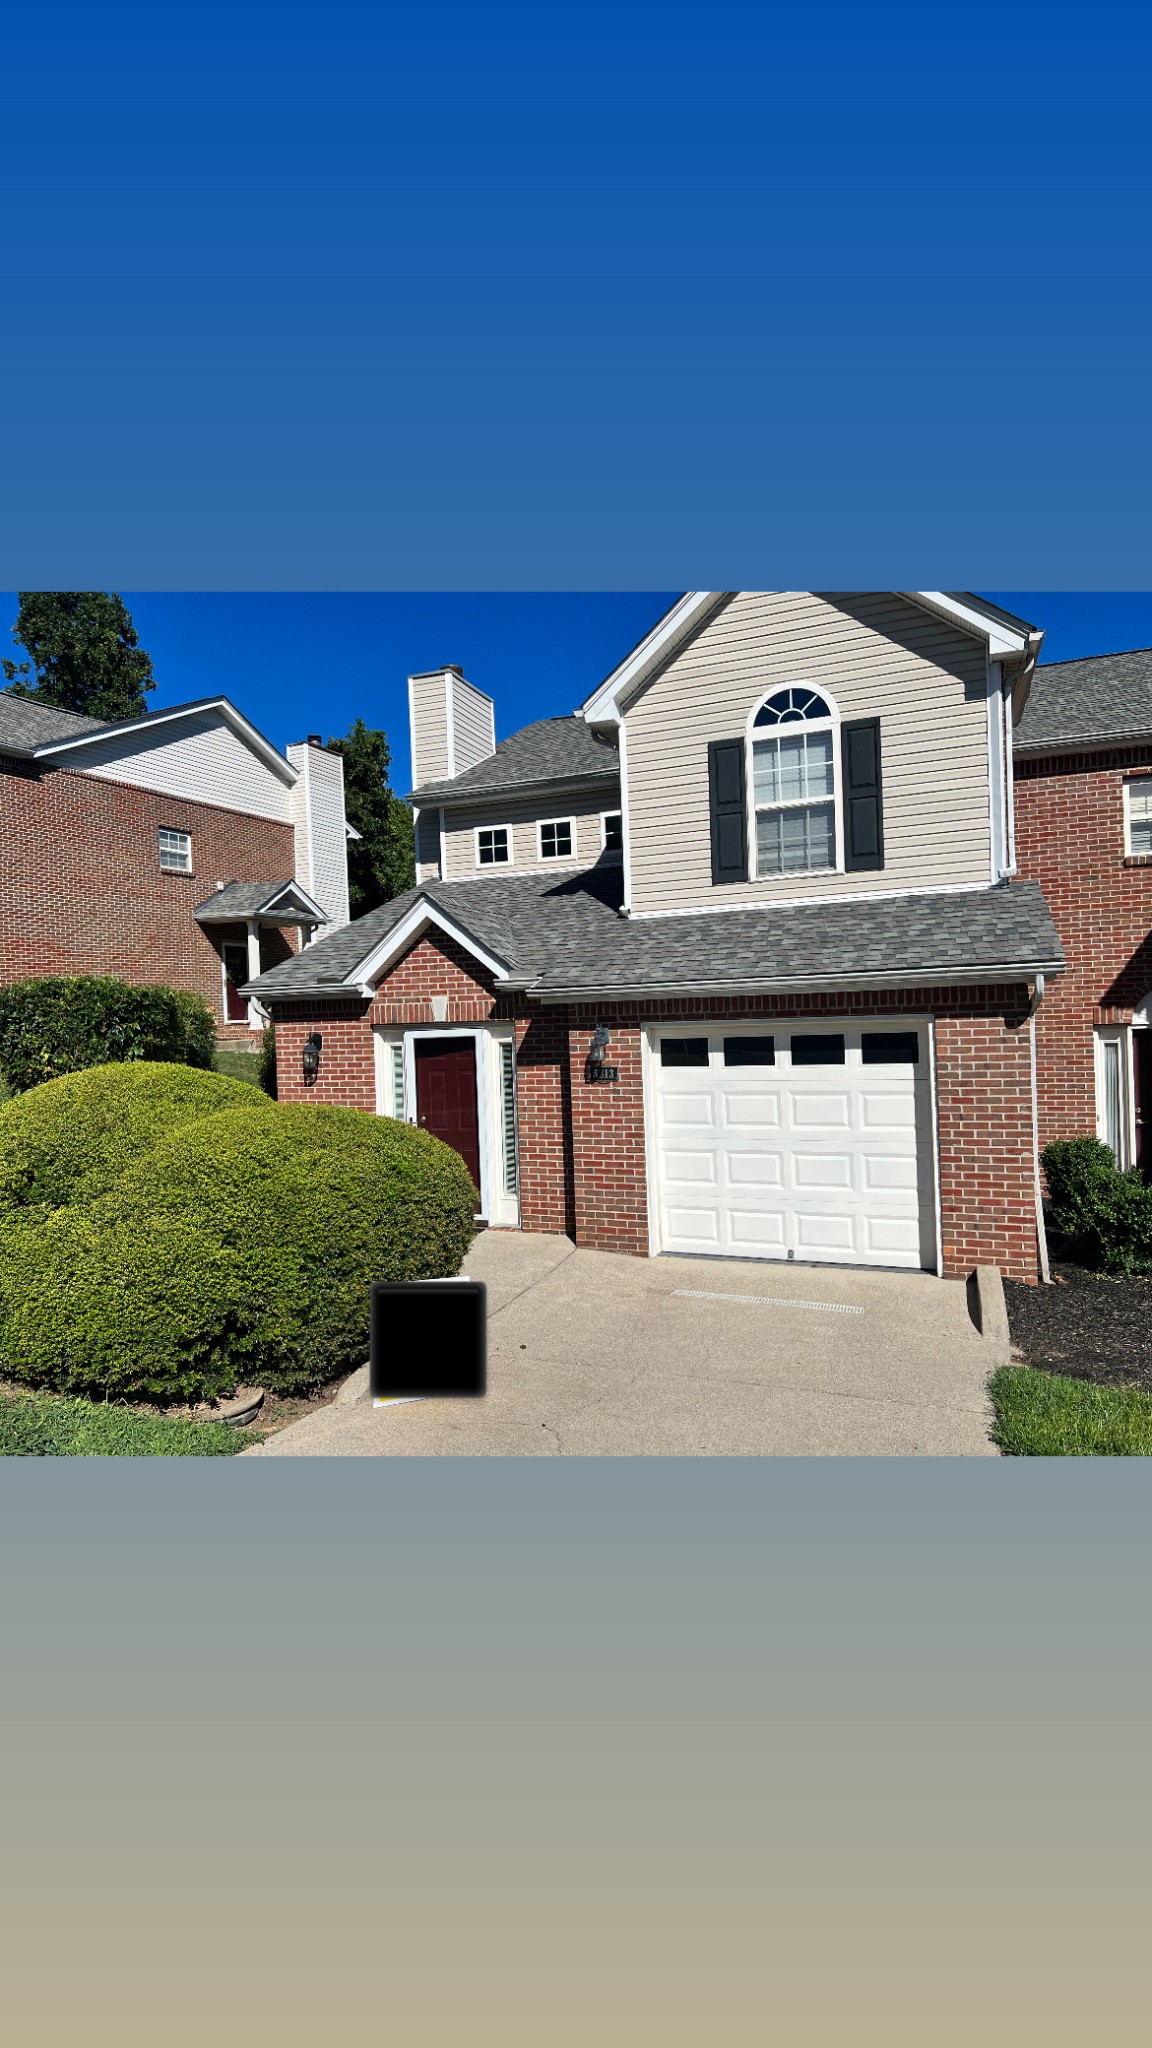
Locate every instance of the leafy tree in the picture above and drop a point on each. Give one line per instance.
(85, 653)
(382, 862)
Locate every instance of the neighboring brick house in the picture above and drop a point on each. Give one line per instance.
(730, 962)
(1083, 750)
(178, 847)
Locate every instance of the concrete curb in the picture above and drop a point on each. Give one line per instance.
(987, 1307)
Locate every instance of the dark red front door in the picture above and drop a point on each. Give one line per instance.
(446, 1096)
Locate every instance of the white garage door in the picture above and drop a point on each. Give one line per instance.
(810, 1143)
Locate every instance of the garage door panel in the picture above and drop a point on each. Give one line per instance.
(889, 1234)
(754, 1169)
(741, 1111)
(681, 1112)
(751, 1230)
(882, 1174)
(699, 1227)
(826, 1111)
(824, 1232)
(888, 1112)
(693, 1168)
(821, 1170)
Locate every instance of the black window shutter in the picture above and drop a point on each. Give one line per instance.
(726, 799)
(863, 799)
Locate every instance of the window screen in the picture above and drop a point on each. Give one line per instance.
(683, 1052)
(822, 1049)
(749, 1052)
(890, 1048)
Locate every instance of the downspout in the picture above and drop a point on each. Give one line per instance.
(1037, 997)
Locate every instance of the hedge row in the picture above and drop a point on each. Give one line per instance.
(64, 1024)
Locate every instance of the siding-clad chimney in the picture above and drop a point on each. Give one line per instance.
(452, 726)
(316, 802)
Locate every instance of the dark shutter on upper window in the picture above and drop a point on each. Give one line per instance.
(863, 800)
(726, 799)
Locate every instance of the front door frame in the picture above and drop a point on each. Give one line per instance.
(479, 1066)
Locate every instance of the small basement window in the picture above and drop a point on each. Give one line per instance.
(683, 1052)
(556, 839)
(492, 846)
(176, 851)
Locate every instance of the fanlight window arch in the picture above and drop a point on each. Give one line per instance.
(794, 770)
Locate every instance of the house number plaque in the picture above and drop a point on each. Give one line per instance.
(598, 1072)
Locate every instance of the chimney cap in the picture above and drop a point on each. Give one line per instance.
(314, 740)
(453, 668)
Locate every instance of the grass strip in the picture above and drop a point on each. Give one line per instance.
(57, 1426)
(1044, 1415)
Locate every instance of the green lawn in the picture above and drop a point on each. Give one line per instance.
(53, 1426)
(238, 1063)
(1041, 1415)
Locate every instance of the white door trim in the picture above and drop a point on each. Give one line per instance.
(496, 1206)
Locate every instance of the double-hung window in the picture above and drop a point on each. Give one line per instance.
(175, 851)
(793, 753)
(1138, 808)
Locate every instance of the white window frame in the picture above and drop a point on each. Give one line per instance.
(1119, 1035)
(554, 859)
(1141, 782)
(485, 864)
(831, 725)
(617, 851)
(169, 867)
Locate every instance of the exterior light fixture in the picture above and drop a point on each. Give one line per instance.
(312, 1058)
(596, 1070)
(600, 1038)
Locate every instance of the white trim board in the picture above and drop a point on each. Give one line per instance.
(418, 919)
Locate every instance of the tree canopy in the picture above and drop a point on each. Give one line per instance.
(85, 653)
(382, 862)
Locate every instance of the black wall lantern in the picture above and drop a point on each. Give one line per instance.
(596, 1069)
(312, 1058)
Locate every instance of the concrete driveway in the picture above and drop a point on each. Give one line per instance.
(594, 1355)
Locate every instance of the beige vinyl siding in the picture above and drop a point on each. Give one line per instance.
(320, 837)
(473, 724)
(878, 657)
(429, 728)
(522, 817)
(428, 846)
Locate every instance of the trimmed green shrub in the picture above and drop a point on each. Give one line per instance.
(1105, 1213)
(66, 1023)
(71, 1139)
(239, 1248)
(267, 1074)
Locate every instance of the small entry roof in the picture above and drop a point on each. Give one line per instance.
(274, 903)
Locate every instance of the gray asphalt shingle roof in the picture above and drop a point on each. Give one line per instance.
(559, 750)
(1101, 697)
(565, 937)
(239, 900)
(26, 725)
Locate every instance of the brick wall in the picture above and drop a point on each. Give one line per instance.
(582, 1151)
(82, 890)
(1070, 839)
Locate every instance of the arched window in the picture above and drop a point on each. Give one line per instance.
(793, 772)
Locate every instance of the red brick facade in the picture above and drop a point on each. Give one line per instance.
(1070, 839)
(82, 890)
(582, 1144)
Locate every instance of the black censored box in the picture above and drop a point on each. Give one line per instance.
(429, 1340)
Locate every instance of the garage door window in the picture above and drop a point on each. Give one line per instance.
(889, 1048)
(825, 1049)
(683, 1052)
(749, 1052)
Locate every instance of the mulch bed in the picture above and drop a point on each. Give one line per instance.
(1086, 1326)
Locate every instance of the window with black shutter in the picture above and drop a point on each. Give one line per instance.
(863, 800)
(728, 817)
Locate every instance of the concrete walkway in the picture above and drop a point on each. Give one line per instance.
(594, 1355)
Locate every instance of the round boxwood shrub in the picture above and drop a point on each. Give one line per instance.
(63, 1023)
(239, 1248)
(71, 1139)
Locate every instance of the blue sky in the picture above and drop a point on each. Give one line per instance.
(300, 663)
(556, 298)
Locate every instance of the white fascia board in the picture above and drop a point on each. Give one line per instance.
(603, 706)
(398, 940)
(152, 719)
(306, 902)
(935, 977)
(1002, 641)
(1081, 743)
